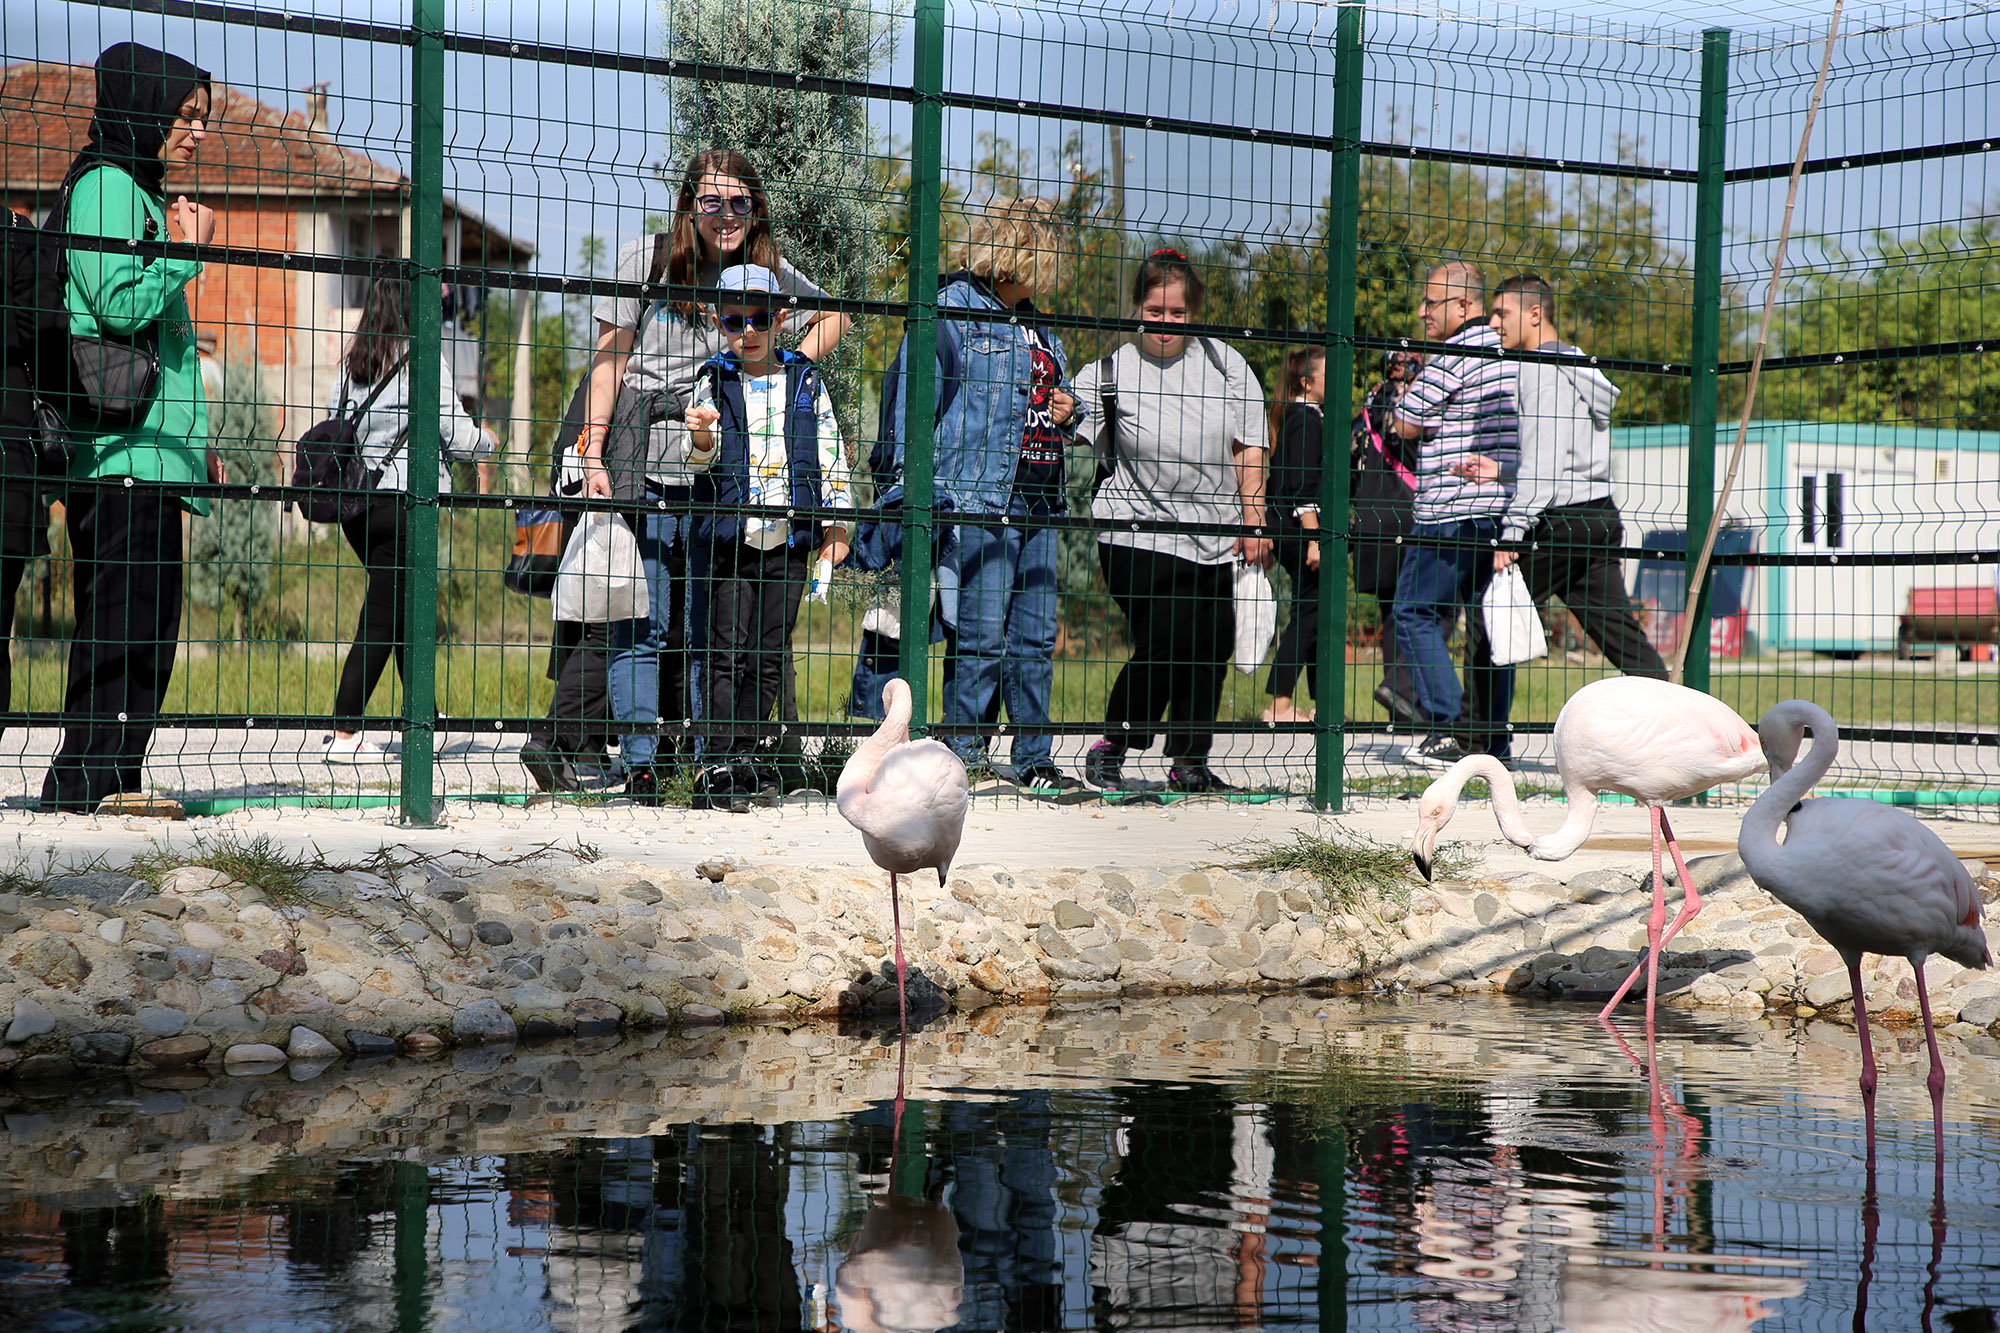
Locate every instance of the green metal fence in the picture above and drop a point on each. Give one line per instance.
(1314, 164)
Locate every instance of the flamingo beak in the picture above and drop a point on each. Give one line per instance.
(1426, 840)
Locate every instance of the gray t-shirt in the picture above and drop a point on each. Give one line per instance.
(1178, 424)
(670, 349)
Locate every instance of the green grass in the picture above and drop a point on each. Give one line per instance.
(1354, 868)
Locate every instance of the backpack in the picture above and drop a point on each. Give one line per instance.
(327, 461)
(36, 330)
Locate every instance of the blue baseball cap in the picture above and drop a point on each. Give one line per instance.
(749, 278)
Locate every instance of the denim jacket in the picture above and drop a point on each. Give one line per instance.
(983, 377)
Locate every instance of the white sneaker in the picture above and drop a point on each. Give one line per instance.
(352, 750)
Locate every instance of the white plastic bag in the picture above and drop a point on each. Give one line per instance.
(1513, 626)
(1256, 617)
(601, 577)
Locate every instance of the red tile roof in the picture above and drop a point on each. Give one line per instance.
(251, 148)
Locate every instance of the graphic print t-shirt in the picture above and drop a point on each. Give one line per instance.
(1039, 476)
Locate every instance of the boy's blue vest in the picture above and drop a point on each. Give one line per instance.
(727, 480)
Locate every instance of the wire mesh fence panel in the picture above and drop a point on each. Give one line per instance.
(694, 370)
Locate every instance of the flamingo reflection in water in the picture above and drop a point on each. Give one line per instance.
(903, 1272)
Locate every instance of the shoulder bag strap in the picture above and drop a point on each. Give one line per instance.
(381, 383)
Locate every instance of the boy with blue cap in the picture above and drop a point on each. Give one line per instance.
(762, 431)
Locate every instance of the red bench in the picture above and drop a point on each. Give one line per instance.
(1949, 617)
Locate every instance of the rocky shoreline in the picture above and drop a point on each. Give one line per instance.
(104, 972)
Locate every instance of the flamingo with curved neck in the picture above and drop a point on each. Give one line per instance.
(1648, 739)
(908, 798)
(1869, 878)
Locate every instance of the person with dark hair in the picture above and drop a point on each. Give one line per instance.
(1187, 445)
(151, 114)
(1562, 508)
(376, 527)
(634, 447)
(1382, 493)
(1460, 409)
(1298, 427)
(24, 509)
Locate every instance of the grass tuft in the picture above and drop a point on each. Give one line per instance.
(1354, 868)
(262, 862)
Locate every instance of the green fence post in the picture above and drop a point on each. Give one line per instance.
(420, 450)
(920, 388)
(411, 1195)
(1706, 351)
(1330, 1173)
(910, 1172)
(1343, 240)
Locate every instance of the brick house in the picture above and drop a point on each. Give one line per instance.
(277, 181)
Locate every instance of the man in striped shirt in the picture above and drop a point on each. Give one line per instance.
(1461, 409)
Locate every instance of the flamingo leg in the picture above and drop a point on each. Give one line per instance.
(902, 992)
(1654, 923)
(1690, 899)
(1936, 1080)
(1867, 1047)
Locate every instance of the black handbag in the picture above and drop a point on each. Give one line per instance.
(113, 380)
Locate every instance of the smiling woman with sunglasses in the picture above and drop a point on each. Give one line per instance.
(632, 447)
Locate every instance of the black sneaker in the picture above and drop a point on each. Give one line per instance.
(1104, 766)
(547, 766)
(1046, 777)
(643, 787)
(769, 787)
(1435, 752)
(1399, 707)
(1197, 779)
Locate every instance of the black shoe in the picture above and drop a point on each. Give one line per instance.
(1197, 779)
(1435, 752)
(1400, 707)
(547, 766)
(643, 787)
(1046, 778)
(1104, 766)
(720, 787)
(768, 786)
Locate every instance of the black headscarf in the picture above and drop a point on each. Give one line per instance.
(139, 94)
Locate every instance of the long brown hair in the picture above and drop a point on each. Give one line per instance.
(382, 333)
(684, 242)
(1298, 365)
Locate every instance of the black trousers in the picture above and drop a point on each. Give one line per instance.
(1298, 645)
(1183, 621)
(1572, 561)
(377, 536)
(127, 548)
(753, 603)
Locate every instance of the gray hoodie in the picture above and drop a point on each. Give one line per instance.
(1565, 438)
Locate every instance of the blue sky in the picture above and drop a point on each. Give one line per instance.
(551, 154)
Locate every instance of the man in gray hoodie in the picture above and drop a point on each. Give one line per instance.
(1562, 501)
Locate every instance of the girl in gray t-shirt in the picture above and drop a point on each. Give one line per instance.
(1188, 446)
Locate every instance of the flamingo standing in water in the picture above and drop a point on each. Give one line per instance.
(1648, 739)
(1869, 878)
(908, 798)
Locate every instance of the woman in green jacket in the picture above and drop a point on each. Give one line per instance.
(125, 531)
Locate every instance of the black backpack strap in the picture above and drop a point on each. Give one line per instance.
(381, 383)
(1107, 406)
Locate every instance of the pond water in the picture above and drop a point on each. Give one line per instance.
(1175, 1164)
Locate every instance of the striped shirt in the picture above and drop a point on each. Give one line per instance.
(1466, 406)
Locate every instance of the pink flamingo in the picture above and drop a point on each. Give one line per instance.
(1869, 878)
(1647, 739)
(908, 798)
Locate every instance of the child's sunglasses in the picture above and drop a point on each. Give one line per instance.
(739, 204)
(759, 320)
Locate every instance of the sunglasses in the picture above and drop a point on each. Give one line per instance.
(738, 204)
(759, 320)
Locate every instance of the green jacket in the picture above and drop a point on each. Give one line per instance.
(123, 295)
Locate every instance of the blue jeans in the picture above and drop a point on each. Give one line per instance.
(1006, 635)
(1431, 587)
(636, 645)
